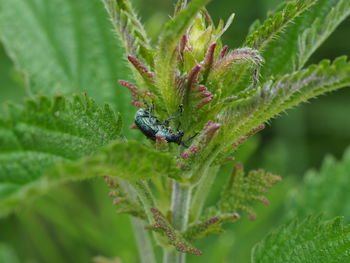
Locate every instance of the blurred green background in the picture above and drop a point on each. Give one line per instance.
(78, 221)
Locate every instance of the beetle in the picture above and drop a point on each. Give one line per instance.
(151, 127)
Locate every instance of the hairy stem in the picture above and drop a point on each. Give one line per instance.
(202, 192)
(170, 256)
(143, 241)
(180, 204)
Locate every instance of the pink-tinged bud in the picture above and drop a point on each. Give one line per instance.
(141, 68)
(133, 127)
(192, 78)
(204, 102)
(265, 201)
(256, 129)
(212, 221)
(117, 201)
(240, 141)
(154, 210)
(134, 90)
(202, 88)
(183, 44)
(210, 129)
(236, 216)
(108, 180)
(204, 94)
(209, 56)
(194, 149)
(185, 156)
(252, 217)
(148, 94)
(112, 194)
(160, 138)
(223, 51)
(136, 103)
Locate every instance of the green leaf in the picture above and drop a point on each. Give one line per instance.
(128, 160)
(325, 191)
(173, 236)
(310, 240)
(262, 34)
(242, 191)
(65, 47)
(130, 30)
(43, 132)
(297, 43)
(166, 52)
(319, 31)
(275, 23)
(283, 92)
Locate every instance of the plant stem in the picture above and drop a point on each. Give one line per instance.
(143, 242)
(170, 256)
(180, 204)
(181, 198)
(202, 191)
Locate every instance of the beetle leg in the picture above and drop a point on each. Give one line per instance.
(187, 140)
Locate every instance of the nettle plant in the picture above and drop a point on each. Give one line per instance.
(198, 100)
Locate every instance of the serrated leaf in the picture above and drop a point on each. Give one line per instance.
(43, 132)
(319, 31)
(130, 30)
(284, 92)
(276, 22)
(128, 160)
(65, 47)
(325, 191)
(293, 48)
(174, 238)
(308, 241)
(243, 190)
(263, 33)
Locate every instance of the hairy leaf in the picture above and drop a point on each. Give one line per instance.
(319, 31)
(297, 43)
(173, 237)
(65, 46)
(324, 191)
(243, 190)
(308, 241)
(43, 132)
(128, 160)
(273, 27)
(281, 93)
(130, 29)
(276, 22)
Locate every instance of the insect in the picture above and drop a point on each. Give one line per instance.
(151, 127)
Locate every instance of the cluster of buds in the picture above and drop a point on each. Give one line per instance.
(209, 226)
(243, 138)
(176, 239)
(120, 197)
(138, 96)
